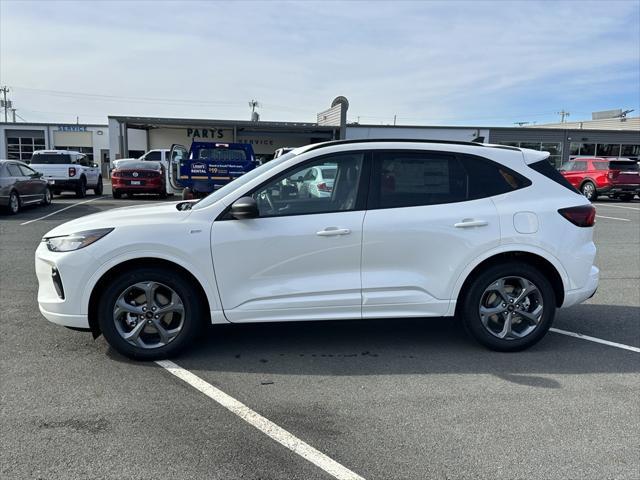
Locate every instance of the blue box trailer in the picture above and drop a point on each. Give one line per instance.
(207, 166)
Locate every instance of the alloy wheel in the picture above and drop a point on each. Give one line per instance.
(149, 314)
(588, 190)
(511, 308)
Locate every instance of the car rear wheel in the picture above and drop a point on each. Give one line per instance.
(99, 187)
(150, 313)
(509, 307)
(81, 189)
(14, 203)
(588, 189)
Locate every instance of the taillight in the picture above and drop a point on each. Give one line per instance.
(582, 216)
(72, 171)
(323, 187)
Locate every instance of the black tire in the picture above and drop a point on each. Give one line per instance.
(162, 194)
(46, 200)
(192, 320)
(627, 197)
(116, 194)
(14, 203)
(475, 291)
(187, 194)
(588, 189)
(99, 187)
(81, 189)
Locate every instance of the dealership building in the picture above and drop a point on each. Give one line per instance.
(126, 137)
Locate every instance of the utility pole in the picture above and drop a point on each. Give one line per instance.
(394, 120)
(563, 114)
(6, 104)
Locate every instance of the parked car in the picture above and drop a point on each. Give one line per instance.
(494, 235)
(136, 176)
(66, 170)
(595, 176)
(20, 185)
(317, 181)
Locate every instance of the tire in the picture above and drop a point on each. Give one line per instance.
(626, 197)
(187, 194)
(81, 189)
(99, 187)
(46, 200)
(180, 330)
(116, 194)
(14, 203)
(162, 194)
(487, 328)
(588, 189)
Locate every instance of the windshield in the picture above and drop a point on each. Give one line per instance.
(240, 181)
(50, 158)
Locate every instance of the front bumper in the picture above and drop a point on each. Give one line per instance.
(579, 295)
(66, 309)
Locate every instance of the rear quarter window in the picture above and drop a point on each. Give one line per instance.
(545, 168)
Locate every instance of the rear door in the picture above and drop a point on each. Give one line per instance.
(429, 215)
(20, 181)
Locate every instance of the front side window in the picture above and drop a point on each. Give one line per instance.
(152, 156)
(303, 191)
(26, 171)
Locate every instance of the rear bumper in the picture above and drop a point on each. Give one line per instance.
(579, 295)
(63, 183)
(618, 189)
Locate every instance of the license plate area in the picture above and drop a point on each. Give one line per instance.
(135, 182)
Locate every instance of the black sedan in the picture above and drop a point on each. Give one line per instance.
(20, 185)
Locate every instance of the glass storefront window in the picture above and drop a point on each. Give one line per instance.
(587, 149)
(21, 148)
(608, 150)
(630, 151)
(574, 149)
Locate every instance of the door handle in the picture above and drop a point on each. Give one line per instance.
(333, 231)
(469, 222)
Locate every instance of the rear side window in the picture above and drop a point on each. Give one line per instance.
(153, 156)
(545, 168)
(407, 179)
(601, 165)
(51, 159)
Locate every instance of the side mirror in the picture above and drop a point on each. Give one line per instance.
(245, 207)
(37, 175)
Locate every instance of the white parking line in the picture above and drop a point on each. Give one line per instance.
(596, 340)
(614, 218)
(62, 210)
(266, 426)
(616, 206)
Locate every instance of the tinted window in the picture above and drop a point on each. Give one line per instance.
(623, 166)
(153, 156)
(294, 194)
(82, 160)
(405, 179)
(543, 167)
(14, 171)
(51, 158)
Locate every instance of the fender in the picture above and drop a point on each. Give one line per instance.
(511, 247)
(207, 279)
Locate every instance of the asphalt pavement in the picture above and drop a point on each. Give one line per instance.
(387, 399)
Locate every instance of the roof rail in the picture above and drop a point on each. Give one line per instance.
(406, 140)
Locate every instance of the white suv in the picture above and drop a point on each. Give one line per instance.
(491, 234)
(66, 170)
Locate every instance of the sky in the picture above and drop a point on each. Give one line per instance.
(426, 62)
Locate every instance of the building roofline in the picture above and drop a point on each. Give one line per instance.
(49, 124)
(476, 127)
(227, 123)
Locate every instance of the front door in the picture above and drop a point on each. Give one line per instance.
(300, 259)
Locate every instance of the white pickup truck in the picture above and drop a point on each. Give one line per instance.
(66, 170)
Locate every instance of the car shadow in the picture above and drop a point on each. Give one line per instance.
(396, 347)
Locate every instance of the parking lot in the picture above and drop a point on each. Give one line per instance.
(383, 399)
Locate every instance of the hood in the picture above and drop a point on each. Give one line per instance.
(136, 215)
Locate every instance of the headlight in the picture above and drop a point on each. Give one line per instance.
(75, 241)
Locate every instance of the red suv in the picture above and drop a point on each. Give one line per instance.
(593, 176)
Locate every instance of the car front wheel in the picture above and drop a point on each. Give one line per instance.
(14, 203)
(509, 307)
(150, 313)
(46, 197)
